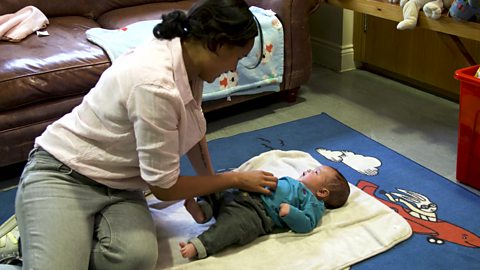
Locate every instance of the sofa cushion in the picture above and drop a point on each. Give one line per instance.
(19, 127)
(86, 8)
(42, 65)
(121, 17)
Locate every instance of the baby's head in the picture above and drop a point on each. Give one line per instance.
(328, 185)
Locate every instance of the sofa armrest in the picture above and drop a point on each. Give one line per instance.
(294, 15)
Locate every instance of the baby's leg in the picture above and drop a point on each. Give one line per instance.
(188, 250)
(237, 224)
(195, 210)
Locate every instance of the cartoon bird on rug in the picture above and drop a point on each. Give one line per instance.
(421, 214)
(432, 9)
(418, 205)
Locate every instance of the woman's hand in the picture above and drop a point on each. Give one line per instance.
(255, 181)
(193, 186)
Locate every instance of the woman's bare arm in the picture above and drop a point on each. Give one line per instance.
(200, 158)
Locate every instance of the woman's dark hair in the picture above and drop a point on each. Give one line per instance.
(214, 22)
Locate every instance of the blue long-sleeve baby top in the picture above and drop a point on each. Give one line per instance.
(305, 209)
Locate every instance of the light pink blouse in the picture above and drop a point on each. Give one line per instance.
(134, 125)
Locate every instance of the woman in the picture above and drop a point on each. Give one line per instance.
(80, 203)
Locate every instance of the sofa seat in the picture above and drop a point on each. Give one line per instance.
(64, 56)
(44, 80)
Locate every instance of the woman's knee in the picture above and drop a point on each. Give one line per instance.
(141, 253)
(136, 251)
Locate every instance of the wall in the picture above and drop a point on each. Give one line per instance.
(331, 30)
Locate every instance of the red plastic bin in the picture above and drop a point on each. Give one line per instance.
(468, 152)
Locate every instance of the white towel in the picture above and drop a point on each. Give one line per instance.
(361, 229)
(16, 26)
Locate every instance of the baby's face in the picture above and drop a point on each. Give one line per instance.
(319, 177)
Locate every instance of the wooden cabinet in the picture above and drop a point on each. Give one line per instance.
(424, 58)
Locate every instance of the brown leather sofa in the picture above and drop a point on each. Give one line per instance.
(43, 78)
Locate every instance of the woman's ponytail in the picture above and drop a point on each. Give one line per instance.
(173, 24)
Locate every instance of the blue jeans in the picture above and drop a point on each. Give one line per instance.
(68, 221)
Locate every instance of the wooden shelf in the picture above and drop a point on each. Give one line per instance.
(393, 12)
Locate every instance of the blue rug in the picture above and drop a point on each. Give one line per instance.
(444, 216)
(7, 204)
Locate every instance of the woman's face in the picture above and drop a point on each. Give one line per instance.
(224, 59)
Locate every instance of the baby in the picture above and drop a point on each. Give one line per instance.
(241, 217)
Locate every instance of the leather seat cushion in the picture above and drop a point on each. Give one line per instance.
(41, 66)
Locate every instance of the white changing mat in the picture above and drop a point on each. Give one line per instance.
(361, 229)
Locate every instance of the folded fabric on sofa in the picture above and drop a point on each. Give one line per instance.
(267, 76)
(17, 26)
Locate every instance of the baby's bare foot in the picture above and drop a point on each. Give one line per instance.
(188, 250)
(195, 210)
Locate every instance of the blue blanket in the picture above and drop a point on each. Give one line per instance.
(266, 77)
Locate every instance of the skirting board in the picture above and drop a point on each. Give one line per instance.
(333, 56)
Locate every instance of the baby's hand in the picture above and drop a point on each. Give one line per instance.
(284, 209)
(188, 250)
